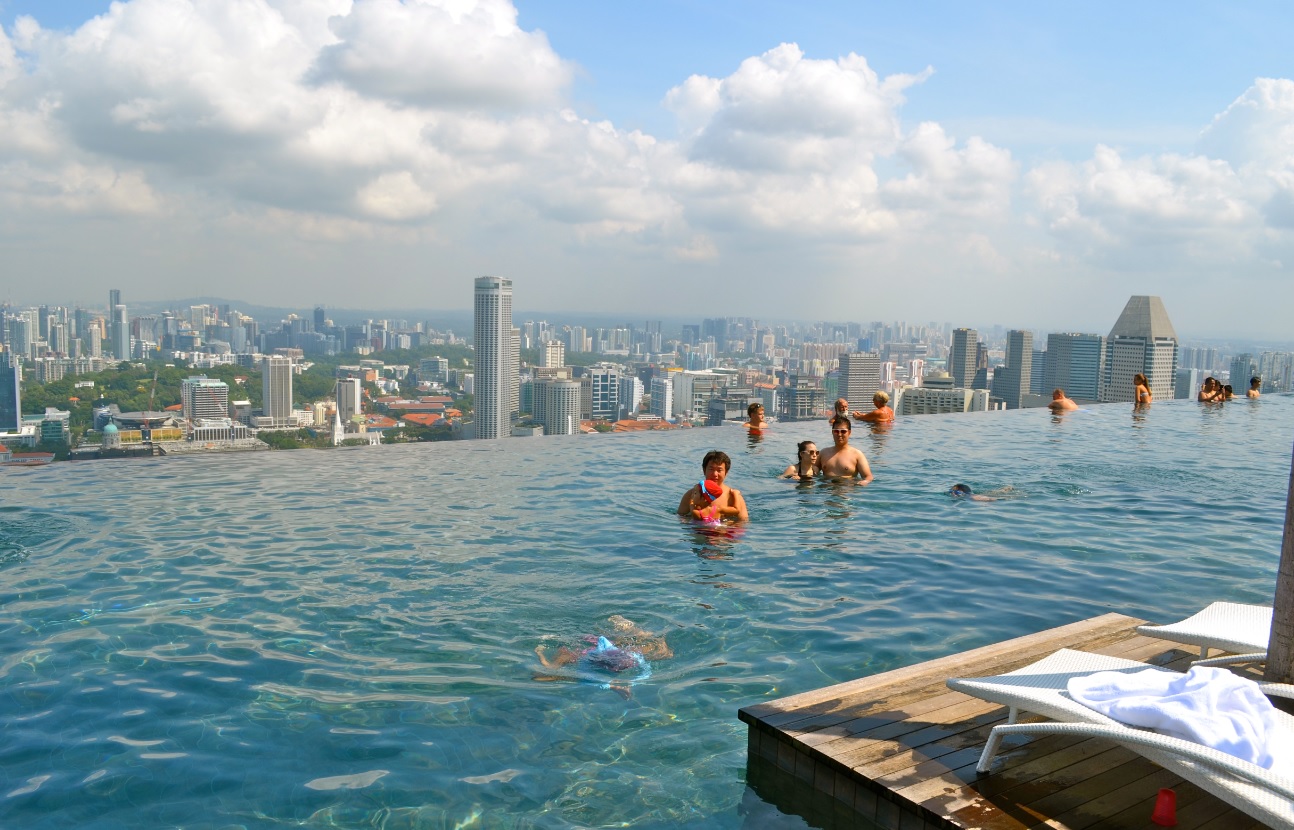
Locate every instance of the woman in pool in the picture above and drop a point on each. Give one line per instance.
(1140, 389)
(806, 467)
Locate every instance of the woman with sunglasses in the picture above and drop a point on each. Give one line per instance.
(807, 466)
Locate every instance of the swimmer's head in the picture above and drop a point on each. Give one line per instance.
(958, 491)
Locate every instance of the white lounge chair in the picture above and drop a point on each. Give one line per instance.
(1230, 626)
(1040, 688)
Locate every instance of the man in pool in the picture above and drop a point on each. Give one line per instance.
(881, 414)
(711, 499)
(842, 460)
(1060, 403)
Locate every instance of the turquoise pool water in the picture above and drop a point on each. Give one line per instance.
(346, 638)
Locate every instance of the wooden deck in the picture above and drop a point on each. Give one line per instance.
(898, 750)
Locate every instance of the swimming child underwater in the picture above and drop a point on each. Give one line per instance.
(614, 662)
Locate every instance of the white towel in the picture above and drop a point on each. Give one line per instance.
(1207, 705)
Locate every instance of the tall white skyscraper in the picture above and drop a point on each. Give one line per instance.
(493, 336)
(554, 354)
(561, 406)
(1142, 340)
(662, 397)
(276, 387)
(860, 378)
(120, 333)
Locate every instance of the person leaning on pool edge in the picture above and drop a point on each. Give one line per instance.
(842, 460)
(1060, 403)
(881, 414)
(710, 497)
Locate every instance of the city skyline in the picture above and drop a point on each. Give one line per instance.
(1005, 165)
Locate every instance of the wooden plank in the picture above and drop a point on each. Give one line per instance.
(901, 748)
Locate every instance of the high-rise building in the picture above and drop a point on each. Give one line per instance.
(1243, 367)
(120, 333)
(860, 377)
(492, 335)
(204, 397)
(21, 337)
(1142, 341)
(662, 397)
(1011, 382)
(561, 406)
(554, 354)
(276, 388)
(630, 395)
(963, 357)
(349, 394)
(605, 398)
(514, 377)
(10, 394)
(1075, 363)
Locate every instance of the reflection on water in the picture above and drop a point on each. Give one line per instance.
(348, 638)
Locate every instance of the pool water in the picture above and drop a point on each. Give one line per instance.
(347, 638)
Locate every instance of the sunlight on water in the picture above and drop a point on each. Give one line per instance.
(348, 638)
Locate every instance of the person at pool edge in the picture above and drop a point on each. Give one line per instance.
(710, 497)
(1060, 403)
(755, 417)
(842, 460)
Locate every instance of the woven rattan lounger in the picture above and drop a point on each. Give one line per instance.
(1230, 626)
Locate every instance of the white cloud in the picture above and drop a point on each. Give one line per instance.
(443, 53)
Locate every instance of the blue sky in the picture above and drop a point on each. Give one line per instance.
(1054, 161)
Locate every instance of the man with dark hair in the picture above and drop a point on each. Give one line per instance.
(842, 460)
(711, 500)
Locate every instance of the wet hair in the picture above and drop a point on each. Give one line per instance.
(1255, 382)
(959, 490)
(1140, 378)
(1058, 391)
(752, 409)
(799, 448)
(1228, 390)
(717, 455)
(841, 420)
(880, 399)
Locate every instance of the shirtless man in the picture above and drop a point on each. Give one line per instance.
(842, 460)
(1060, 403)
(710, 498)
(881, 414)
(841, 409)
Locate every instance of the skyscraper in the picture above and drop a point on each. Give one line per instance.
(1142, 341)
(554, 354)
(276, 388)
(120, 333)
(860, 377)
(10, 394)
(1011, 382)
(348, 398)
(204, 397)
(492, 334)
(1076, 363)
(561, 406)
(963, 357)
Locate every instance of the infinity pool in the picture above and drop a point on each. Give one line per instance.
(347, 638)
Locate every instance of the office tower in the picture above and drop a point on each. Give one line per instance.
(120, 333)
(349, 395)
(1037, 371)
(1277, 371)
(1142, 341)
(94, 341)
(963, 357)
(554, 355)
(662, 397)
(631, 394)
(276, 387)
(561, 406)
(860, 378)
(1011, 382)
(514, 377)
(1076, 363)
(321, 318)
(604, 401)
(1188, 380)
(204, 397)
(58, 338)
(20, 337)
(1243, 367)
(492, 334)
(114, 300)
(10, 394)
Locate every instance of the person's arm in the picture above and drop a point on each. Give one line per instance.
(685, 505)
(791, 472)
(865, 469)
(742, 515)
(874, 415)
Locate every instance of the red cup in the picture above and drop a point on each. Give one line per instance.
(1165, 814)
